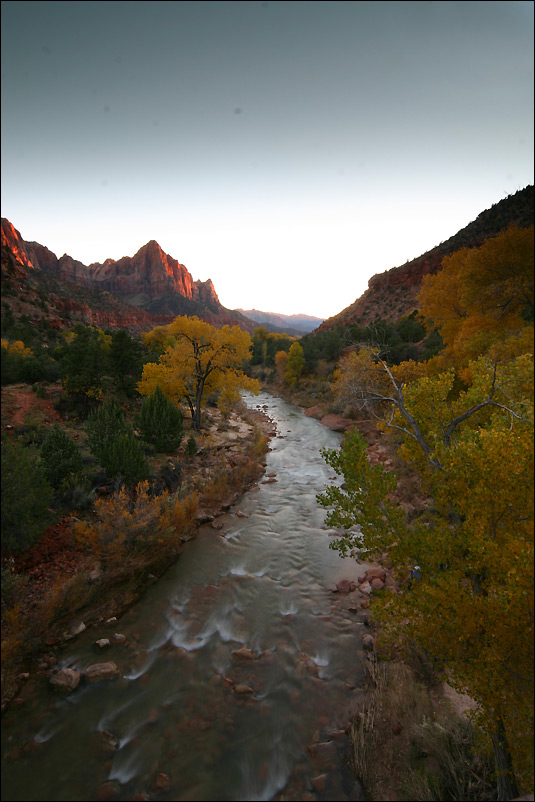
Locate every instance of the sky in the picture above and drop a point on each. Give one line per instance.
(288, 151)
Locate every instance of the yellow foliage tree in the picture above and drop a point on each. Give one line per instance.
(472, 608)
(482, 297)
(198, 360)
(281, 363)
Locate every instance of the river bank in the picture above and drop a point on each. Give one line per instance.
(66, 589)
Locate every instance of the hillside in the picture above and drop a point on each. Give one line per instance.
(392, 295)
(150, 288)
(296, 325)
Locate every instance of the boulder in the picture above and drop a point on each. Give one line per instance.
(345, 586)
(243, 689)
(100, 671)
(244, 654)
(323, 756)
(336, 423)
(65, 680)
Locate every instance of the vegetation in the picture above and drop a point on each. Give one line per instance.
(198, 360)
(160, 422)
(113, 442)
(61, 458)
(26, 495)
(464, 423)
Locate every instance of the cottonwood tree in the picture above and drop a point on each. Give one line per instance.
(198, 360)
(472, 609)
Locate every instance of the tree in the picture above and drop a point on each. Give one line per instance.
(472, 608)
(113, 442)
(60, 457)
(198, 361)
(281, 364)
(482, 297)
(82, 366)
(296, 362)
(26, 496)
(160, 422)
(126, 360)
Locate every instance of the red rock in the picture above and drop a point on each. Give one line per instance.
(377, 584)
(65, 680)
(320, 783)
(245, 654)
(101, 671)
(345, 586)
(162, 781)
(107, 791)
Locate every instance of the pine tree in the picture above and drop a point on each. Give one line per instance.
(160, 422)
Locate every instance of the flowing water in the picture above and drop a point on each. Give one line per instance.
(263, 581)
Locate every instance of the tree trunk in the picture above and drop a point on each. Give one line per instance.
(505, 776)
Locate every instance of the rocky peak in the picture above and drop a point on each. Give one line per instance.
(14, 248)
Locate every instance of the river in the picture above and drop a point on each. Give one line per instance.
(187, 719)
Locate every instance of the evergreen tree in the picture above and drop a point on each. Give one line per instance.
(26, 495)
(61, 458)
(113, 442)
(160, 422)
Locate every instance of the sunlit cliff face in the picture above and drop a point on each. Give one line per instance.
(12, 241)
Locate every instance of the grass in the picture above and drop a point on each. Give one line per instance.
(405, 748)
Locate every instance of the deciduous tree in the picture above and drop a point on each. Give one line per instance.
(199, 360)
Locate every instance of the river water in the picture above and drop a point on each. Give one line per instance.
(177, 724)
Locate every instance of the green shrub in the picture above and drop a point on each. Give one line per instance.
(191, 446)
(26, 495)
(160, 422)
(60, 457)
(113, 442)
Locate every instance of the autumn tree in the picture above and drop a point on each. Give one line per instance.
(472, 609)
(482, 297)
(281, 364)
(198, 360)
(296, 363)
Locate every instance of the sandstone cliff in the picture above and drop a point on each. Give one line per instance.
(393, 294)
(150, 288)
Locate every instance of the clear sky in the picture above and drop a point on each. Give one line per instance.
(286, 150)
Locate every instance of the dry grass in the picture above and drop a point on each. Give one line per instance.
(405, 748)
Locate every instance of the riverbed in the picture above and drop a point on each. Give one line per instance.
(238, 670)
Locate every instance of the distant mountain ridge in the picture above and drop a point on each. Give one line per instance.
(152, 283)
(288, 324)
(393, 294)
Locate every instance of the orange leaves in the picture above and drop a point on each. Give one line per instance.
(483, 297)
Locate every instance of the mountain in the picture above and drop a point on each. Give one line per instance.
(296, 325)
(138, 292)
(393, 294)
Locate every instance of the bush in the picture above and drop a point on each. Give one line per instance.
(26, 495)
(191, 446)
(60, 457)
(160, 422)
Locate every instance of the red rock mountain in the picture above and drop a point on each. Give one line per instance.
(153, 286)
(393, 294)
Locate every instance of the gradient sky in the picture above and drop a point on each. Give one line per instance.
(286, 150)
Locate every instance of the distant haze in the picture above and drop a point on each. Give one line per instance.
(286, 150)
